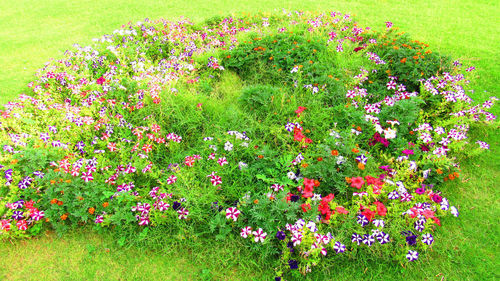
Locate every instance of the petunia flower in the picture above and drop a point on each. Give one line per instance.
(99, 219)
(183, 213)
(293, 264)
(362, 220)
(412, 255)
(339, 247)
(246, 231)
(312, 226)
(259, 235)
(171, 179)
(296, 238)
(356, 238)
(17, 215)
(378, 223)
(222, 161)
(368, 240)
(22, 225)
(281, 235)
(411, 239)
(427, 239)
(232, 213)
(383, 238)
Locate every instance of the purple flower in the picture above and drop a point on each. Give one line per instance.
(427, 239)
(339, 247)
(293, 264)
(18, 204)
(281, 235)
(406, 197)
(17, 215)
(383, 238)
(385, 168)
(419, 225)
(356, 238)
(424, 148)
(412, 255)
(176, 205)
(411, 239)
(393, 195)
(362, 220)
(368, 240)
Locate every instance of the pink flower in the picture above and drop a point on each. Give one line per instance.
(100, 80)
(22, 225)
(246, 231)
(183, 213)
(87, 176)
(99, 219)
(216, 180)
(222, 161)
(172, 179)
(357, 182)
(259, 235)
(232, 213)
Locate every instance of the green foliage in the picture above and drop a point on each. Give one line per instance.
(407, 59)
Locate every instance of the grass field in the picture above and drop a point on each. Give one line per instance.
(31, 32)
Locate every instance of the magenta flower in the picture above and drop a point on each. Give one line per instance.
(246, 231)
(232, 213)
(407, 152)
(259, 235)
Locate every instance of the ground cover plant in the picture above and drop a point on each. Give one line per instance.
(363, 182)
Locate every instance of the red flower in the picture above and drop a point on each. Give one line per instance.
(369, 214)
(305, 207)
(329, 197)
(308, 188)
(324, 209)
(381, 209)
(297, 134)
(357, 182)
(370, 180)
(341, 210)
(299, 110)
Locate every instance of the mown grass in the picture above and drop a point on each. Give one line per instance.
(31, 32)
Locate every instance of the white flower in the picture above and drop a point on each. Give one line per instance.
(228, 146)
(390, 133)
(340, 160)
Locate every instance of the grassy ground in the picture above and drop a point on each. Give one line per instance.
(31, 32)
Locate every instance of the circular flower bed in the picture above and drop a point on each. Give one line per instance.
(311, 137)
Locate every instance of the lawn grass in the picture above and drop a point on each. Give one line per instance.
(32, 32)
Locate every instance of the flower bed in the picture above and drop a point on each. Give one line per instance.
(311, 137)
